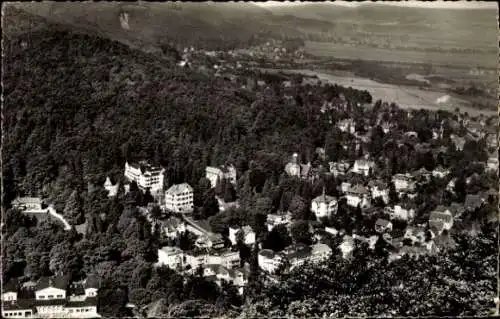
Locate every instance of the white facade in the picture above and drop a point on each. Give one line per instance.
(274, 220)
(415, 234)
(324, 206)
(440, 172)
(9, 296)
(268, 260)
(347, 247)
(380, 192)
(492, 163)
(91, 292)
(112, 189)
(195, 260)
(363, 167)
(17, 313)
(179, 198)
(50, 293)
(347, 125)
(146, 176)
(228, 259)
(224, 172)
(358, 195)
(402, 213)
(170, 257)
(320, 252)
(403, 182)
(293, 168)
(28, 203)
(248, 235)
(340, 168)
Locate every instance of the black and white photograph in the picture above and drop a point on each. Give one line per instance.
(249, 159)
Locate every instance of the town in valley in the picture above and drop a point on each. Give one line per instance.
(155, 169)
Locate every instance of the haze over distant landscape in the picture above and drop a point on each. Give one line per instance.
(247, 160)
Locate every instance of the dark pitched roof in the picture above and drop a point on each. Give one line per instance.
(446, 218)
(91, 282)
(473, 202)
(382, 222)
(297, 251)
(19, 304)
(268, 253)
(11, 286)
(89, 301)
(50, 302)
(56, 282)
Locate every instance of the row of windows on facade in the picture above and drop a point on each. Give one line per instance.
(180, 204)
(14, 314)
(50, 296)
(185, 194)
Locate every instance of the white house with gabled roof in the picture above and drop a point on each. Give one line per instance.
(179, 198)
(324, 206)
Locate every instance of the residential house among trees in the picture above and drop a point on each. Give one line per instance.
(401, 212)
(224, 172)
(380, 189)
(403, 183)
(274, 220)
(247, 235)
(363, 166)
(440, 219)
(324, 206)
(383, 225)
(358, 195)
(179, 198)
(171, 257)
(339, 168)
(147, 176)
(302, 171)
(172, 227)
(27, 203)
(440, 172)
(111, 188)
(347, 125)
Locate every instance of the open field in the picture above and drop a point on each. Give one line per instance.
(404, 96)
(341, 51)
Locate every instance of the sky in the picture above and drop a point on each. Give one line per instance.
(418, 4)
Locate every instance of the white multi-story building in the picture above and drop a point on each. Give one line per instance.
(179, 198)
(379, 189)
(358, 195)
(320, 252)
(146, 176)
(274, 220)
(171, 257)
(228, 259)
(248, 235)
(53, 298)
(403, 182)
(324, 206)
(440, 172)
(269, 261)
(363, 167)
(28, 203)
(339, 168)
(401, 213)
(227, 172)
(218, 273)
